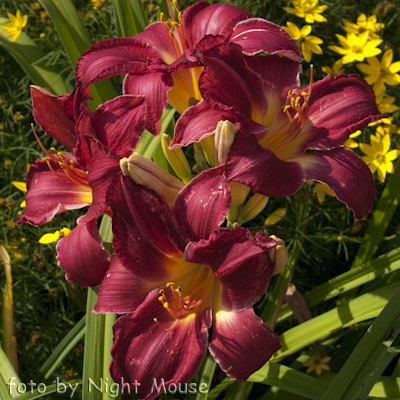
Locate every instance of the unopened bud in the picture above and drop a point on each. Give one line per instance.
(146, 172)
(239, 193)
(224, 137)
(177, 159)
(278, 255)
(253, 207)
(208, 146)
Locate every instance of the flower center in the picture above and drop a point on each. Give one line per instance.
(279, 139)
(357, 49)
(70, 172)
(181, 302)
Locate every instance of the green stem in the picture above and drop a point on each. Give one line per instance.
(206, 378)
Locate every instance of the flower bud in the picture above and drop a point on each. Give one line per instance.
(177, 159)
(146, 172)
(239, 193)
(208, 146)
(224, 137)
(252, 208)
(278, 255)
(201, 162)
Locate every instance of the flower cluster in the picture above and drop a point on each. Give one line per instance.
(177, 269)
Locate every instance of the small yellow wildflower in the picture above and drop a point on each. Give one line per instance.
(307, 9)
(385, 104)
(356, 48)
(350, 143)
(364, 24)
(383, 121)
(18, 22)
(97, 4)
(383, 130)
(53, 237)
(378, 157)
(336, 69)
(317, 363)
(275, 217)
(309, 44)
(381, 72)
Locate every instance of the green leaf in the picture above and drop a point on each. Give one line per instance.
(7, 374)
(140, 17)
(129, 17)
(32, 60)
(206, 377)
(63, 348)
(356, 277)
(362, 308)
(59, 387)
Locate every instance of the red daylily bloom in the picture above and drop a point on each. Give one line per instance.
(282, 123)
(62, 181)
(179, 273)
(160, 61)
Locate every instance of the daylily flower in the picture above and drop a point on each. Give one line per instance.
(381, 72)
(18, 23)
(378, 156)
(164, 63)
(281, 122)
(356, 48)
(63, 181)
(307, 9)
(364, 24)
(179, 273)
(309, 44)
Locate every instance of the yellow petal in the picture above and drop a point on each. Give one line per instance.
(20, 186)
(23, 204)
(50, 237)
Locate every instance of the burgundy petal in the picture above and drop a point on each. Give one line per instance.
(119, 291)
(145, 353)
(257, 35)
(338, 107)
(241, 343)
(260, 169)
(201, 206)
(50, 194)
(198, 122)
(346, 174)
(48, 111)
(119, 123)
(146, 235)
(241, 264)
(203, 19)
(83, 256)
(105, 166)
(154, 87)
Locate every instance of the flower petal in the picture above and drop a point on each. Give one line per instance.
(346, 174)
(260, 169)
(240, 262)
(154, 87)
(82, 255)
(241, 343)
(202, 205)
(119, 123)
(257, 35)
(145, 353)
(48, 111)
(119, 291)
(49, 194)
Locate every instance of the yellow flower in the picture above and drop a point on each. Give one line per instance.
(385, 104)
(364, 24)
(275, 217)
(307, 9)
(97, 4)
(378, 157)
(383, 121)
(53, 237)
(382, 72)
(335, 70)
(352, 144)
(18, 23)
(356, 48)
(322, 190)
(383, 130)
(309, 44)
(317, 363)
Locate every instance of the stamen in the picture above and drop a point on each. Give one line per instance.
(172, 327)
